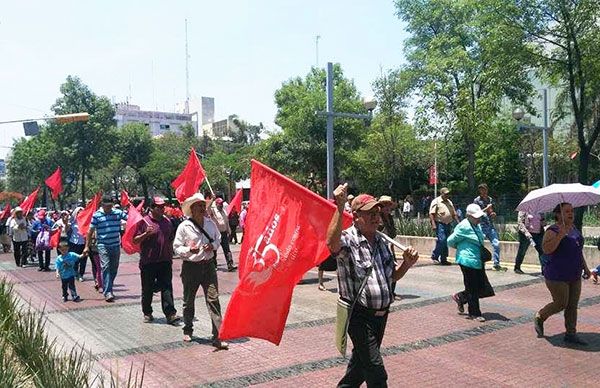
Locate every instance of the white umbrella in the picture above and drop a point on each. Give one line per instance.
(545, 199)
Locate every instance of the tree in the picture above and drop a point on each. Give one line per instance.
(461, 63)
(136, 147)
(563, 36)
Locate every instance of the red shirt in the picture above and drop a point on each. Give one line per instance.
(157, 247)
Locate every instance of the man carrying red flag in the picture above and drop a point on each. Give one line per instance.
(54, 183)
(364, 258)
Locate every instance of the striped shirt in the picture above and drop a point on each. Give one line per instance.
(108, 226)
(354, 260)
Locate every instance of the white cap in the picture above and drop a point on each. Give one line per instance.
(474, 211)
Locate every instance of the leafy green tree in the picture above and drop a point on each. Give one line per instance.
(461, 63)
(136, 147)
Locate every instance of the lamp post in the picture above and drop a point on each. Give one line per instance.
(330, 114)
(518, 115)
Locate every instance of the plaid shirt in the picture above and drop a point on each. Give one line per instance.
(354, 260)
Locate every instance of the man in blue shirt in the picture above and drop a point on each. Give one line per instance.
(486, 204)
(106, 223)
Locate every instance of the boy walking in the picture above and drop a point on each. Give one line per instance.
(65, 267)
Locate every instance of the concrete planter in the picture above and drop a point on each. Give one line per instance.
(508, 250)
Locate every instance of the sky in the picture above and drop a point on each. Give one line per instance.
(240, 51)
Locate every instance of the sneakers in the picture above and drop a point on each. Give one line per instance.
(478, 319)
(187, 338)
(445, 262)
(538, 324)
(148, 318)
(80, 278)
(594, 276)
(574, 339)
(231, 268)
(172, 319)
(77, 298)
(220, 345)
(518, 270)
(459, 305)
(498, 267)
(65, 298)
(109, 297)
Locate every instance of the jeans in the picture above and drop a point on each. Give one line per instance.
(226, 249)
(109, 260)
(565, 296)
(524, 245)
(441, 245)
(366, 364)
(194, 275)
(490, 232)
(20, 252)
(160, 274)
(44, 259)
(70, 284)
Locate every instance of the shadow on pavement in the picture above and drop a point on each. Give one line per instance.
(407, 296)
(592, 339)
(495, 317)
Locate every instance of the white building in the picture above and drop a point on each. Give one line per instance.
(222, 129)
(159, 123)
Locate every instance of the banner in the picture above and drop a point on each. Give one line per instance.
(433, 178)
(84, 217)
(54, 183)
(29, 201)
(285, 235)
(190, 179)
(125, 198)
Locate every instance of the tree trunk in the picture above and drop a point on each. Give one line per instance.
(584, 162)
(470, 148)
(144, 188)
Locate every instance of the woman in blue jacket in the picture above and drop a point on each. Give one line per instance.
(468, 238)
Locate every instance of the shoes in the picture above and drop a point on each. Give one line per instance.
(459, 305)
(80, 279)
(498, 267)
(594, 277)
(187, 338)
(65, 298)
(445, 262)
(172, 319)
(40, 269)
(518, 270)
(47, 269)
(148, 318)
(478, 319)
(221, 345)
(435, 259)
(77, 298)
(321, 287)
(231, 268)
(574, 339)
(538, 324)
(109, 297)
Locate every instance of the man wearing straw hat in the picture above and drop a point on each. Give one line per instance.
(196, 240)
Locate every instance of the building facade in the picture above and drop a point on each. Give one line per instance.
(159, 123)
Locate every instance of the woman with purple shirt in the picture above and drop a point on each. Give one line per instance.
(563, 247)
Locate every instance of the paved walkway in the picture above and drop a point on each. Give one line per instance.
(426, 343)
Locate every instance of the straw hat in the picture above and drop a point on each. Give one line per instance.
(187, 204)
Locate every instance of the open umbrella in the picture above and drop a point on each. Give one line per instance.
(545, 199)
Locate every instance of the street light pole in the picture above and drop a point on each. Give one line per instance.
(545, 138)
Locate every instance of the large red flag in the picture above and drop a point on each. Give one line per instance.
(125, 198)
(29, 201)
(55, 237)
(190, 179)
(84, 217)
(133, 217)
(285, 237)
(236, 202)
(6, 211)
(54, 182)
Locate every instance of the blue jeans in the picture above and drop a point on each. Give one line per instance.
(109, 261)
(490, 232)
(441, 245)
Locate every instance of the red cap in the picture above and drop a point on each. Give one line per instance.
(158, 201)
(364, 202)
(42, 214)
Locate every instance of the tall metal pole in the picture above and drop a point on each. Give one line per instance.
(435, 183)
(330, 130)
(187, 73)
(545, 138)
(317, 48)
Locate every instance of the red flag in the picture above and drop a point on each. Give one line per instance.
(190, 179)
(55, 237)
(54, 182)
(284, 238)
(236, 202)
(84, 217)
(133, 217)
(433, 178)
(125, 198)
(6, 211)
(140, 206)
(29, 201)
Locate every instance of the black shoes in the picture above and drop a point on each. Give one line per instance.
(445, 262)
(518, 270)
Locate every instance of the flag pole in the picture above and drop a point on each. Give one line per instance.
(209, 187)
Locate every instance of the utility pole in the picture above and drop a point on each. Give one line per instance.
(187, 73)
(317, 48)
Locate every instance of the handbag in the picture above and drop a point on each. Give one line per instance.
(484, 254)
(342, 319)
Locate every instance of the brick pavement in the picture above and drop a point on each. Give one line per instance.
(426, 344)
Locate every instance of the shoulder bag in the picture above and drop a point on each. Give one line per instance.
(210, 239)
(484, 254)
(343, 313)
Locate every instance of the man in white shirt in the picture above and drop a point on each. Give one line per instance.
(20, 236)
(196, 240)
(219, 216)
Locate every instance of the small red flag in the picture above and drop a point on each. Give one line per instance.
(54, 182)
(6, 211)
(133, 217)
(236, 202)
(55, 237)
(140, 206)
(285, 236)
(29, 201)
(433, 178)
(125, 198)
(190, 179)
(84, 217)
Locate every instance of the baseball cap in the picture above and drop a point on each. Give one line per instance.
(107, 199)
(444, 190)
(158, 201)
(474, 211)
(364, 202)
